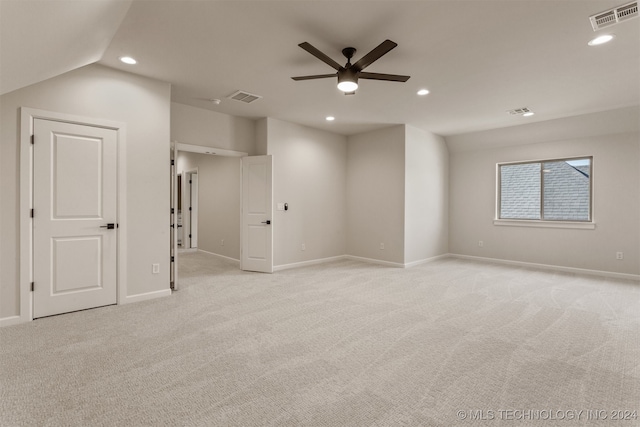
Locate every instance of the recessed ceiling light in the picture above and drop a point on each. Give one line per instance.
(605, 38)
(128, 60)
(422, 92)
(528, 114)
(330, 118)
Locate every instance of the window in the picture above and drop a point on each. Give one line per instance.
(550, 190)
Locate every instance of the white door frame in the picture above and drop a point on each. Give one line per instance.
(27, 117)
(173, 252)
(187, 215)
(177, 205)
(193, 213)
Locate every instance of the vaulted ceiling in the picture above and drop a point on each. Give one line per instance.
(477, 58)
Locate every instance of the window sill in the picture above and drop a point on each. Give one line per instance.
(545, 224)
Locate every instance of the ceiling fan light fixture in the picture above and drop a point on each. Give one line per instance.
(347, 86)
(347, 81)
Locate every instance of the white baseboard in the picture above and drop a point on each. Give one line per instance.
(147, 296)
(426, 260)
(397, 264)
(550, 267)
(307, 263)
(14, 320)
(11, 320)
(375, 261)
(237, 261)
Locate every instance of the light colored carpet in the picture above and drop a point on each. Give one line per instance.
(339, 344)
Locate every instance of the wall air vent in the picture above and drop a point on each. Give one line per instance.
(243, 96)
(519, 111)
(614, 16)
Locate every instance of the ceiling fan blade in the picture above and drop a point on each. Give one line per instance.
(317, 76)
(321, 56)
(374, 55)
(387, 77)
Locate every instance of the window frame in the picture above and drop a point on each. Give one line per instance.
(542, 222)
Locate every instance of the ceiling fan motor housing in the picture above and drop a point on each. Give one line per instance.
(348, 77)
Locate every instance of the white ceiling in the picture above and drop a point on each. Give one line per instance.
(43, 39)
(478, 58)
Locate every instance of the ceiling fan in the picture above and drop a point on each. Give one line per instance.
(349, 74)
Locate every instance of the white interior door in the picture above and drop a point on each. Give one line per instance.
(257, 206)
(75, 193)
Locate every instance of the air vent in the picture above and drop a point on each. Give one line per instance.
(519, 111)
(614, 16)
(243, 96)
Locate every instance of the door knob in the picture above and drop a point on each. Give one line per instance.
(267, 222)
(109, 226)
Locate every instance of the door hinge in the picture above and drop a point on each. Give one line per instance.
(189, 181)
(189, 208)
(32, 213)
(33, 286)
(33, 139)
(173, 162)
(172, 211)
(172, 225)
(173, 259)
(172, 286)
(189, 235)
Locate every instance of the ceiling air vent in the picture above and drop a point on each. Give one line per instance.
(243, 96)
(614, 16)
(519, 111)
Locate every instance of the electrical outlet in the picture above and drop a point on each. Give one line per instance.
(480, 243)
(303, 247)
(221, 242)
(155, 268)
(619, 255)
(381, 246)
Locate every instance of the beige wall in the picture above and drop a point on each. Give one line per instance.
(397, 192)
(426, 190)
(309, 173)
(103, 93)
(616, 199)
(376, 194)
(399, 186)
(218, 201)
(197, 126)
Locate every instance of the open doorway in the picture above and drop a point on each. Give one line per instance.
(206, 190)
